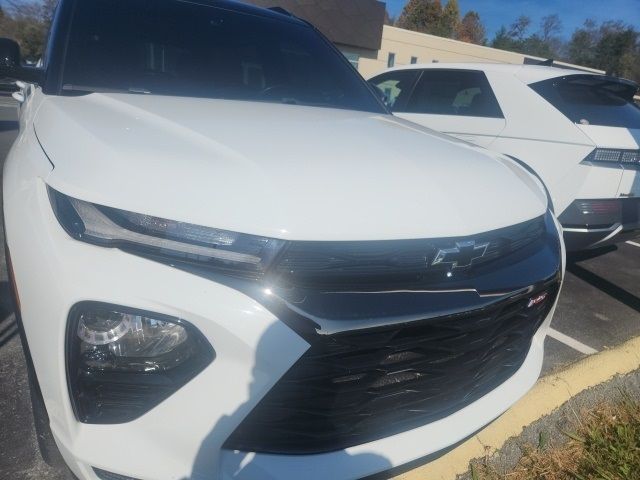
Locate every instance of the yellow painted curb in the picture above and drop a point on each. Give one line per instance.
(547, 395)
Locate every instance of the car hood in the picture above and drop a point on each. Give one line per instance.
(285, 171)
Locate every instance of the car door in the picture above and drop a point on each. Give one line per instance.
(455, 102)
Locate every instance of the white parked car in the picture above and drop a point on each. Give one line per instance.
(578, 132)
(232, 262)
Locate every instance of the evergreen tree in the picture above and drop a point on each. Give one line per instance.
(450, 20)
(423, 16)
(471, 29)
(582, 46)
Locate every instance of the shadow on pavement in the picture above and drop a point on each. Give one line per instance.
(8, 325)
(611, 289)
(589, 254)
(8, 330)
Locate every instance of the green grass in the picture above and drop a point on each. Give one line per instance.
(611, 443)
(603, 445)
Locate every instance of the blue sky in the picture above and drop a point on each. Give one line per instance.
(573, 13)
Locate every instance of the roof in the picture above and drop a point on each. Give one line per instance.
(243, 7)
(355, 23)
(526, 73)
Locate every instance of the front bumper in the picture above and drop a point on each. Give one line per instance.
(589, 224)
(254, 350)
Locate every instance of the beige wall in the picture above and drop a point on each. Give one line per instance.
(427, 48)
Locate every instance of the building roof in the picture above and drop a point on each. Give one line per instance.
(354, 23)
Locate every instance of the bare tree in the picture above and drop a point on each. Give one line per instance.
(550, 27)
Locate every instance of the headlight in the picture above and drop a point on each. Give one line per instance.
(122, 362)
(230, 252)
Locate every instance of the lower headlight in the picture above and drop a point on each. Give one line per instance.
(122, 362)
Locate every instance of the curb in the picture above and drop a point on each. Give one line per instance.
(547, 395)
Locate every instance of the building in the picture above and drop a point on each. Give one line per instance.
(357, 28)
(403, 47)
(354, 26)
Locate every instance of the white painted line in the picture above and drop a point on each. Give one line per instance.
(633, 243)
(571, 342)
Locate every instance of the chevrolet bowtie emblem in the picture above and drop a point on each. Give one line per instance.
(462, 255)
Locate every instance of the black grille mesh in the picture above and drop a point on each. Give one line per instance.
(397, 263)
(359, 386)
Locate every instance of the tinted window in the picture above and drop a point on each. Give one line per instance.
(592, 100)
(173, 47)
(396, 86)
(454, 92)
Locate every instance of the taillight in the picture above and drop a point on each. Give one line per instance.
(599, 207)
(612, 155)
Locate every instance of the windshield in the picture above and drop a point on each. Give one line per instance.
(184, 48)
(592, 100)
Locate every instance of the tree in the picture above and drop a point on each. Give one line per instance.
(471, 29)
(27, 22)
(519, 28)
(550, 27)
(428, 16)
(422, 16)
(549, 33)
(450, 21)
(505, 41)
(544, 43)
(613, 46)
(581, 47)
(537, 46)
(617, 48)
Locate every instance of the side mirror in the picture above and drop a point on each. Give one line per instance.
(11, 64)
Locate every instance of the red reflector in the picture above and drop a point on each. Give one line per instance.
(599, 207)
(537, 299)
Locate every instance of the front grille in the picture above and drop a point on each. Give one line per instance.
(355, 387)
(394, 264)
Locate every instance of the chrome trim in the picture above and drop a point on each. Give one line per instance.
(610, 236)
(616, 227)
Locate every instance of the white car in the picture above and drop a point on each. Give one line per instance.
(578, 132)
(232, 262)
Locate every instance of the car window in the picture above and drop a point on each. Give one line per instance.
(396, 86)
(187, 48)
(454, 92)
(591, 100)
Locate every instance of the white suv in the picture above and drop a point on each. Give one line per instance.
(231, 261)
(578, 132)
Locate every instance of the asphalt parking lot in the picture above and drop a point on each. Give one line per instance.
(599, 308)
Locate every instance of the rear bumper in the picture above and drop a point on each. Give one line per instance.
(598, 223)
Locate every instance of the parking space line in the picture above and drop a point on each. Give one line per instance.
(571, 342)
(633, 243)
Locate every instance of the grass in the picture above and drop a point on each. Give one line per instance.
(603, 445)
